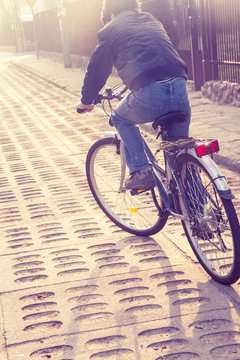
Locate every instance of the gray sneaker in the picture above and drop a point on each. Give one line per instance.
(142, 179)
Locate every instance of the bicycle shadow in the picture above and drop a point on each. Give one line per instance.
(156, 305)
(134, 295)
(152, 308)
(189, 303)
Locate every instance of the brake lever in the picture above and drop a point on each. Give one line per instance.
(98, 99)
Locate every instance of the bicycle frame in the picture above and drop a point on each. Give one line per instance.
(170, 176)
(160, 175)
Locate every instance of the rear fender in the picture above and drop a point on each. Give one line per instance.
(214, 172)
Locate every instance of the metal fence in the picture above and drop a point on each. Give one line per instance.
(209, 40)
(220, 23)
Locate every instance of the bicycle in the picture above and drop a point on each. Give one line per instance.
(190, 188)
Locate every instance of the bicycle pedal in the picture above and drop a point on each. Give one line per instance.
(138, 191)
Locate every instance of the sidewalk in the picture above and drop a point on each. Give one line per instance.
(209, 120)
(73, 285)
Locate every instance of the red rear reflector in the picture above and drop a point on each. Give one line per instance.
(207, 148)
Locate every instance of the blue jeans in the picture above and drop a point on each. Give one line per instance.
(144, 106)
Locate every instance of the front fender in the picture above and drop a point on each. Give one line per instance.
(112, 134)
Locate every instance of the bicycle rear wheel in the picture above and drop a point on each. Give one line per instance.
(213, 231)
(141, 214)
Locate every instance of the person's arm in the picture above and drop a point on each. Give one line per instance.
(98, 71)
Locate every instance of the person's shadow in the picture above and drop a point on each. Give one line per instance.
(218, 330)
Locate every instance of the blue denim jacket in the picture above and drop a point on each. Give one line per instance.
(140, 49)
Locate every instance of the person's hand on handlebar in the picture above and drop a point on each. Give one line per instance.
(82, 108)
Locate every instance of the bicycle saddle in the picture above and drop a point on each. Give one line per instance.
(168, 119)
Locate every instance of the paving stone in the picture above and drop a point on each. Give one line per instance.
(73, 285)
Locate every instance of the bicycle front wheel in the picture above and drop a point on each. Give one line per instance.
(213, 231)
(141, 214)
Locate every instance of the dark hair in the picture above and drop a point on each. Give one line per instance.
(116, 6)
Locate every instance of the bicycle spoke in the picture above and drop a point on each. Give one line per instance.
(137, 214)
(213, 230)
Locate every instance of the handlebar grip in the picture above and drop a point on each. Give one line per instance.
(80, 111)
(98, 99)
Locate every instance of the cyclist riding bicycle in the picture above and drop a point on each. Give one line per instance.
(138, 46)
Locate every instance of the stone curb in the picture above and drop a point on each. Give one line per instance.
(222, 92)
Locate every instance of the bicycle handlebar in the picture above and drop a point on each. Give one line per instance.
(111, 94)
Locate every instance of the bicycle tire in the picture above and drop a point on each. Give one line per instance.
(140, 214)
(214, 232)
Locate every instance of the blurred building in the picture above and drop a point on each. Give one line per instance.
(39, 6)
(7, 33)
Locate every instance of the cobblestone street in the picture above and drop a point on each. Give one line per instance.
(73, 285)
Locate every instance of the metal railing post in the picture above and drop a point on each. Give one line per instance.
(195, 52)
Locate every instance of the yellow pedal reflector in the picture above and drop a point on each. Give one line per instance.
(139, 191)
(133, 210)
